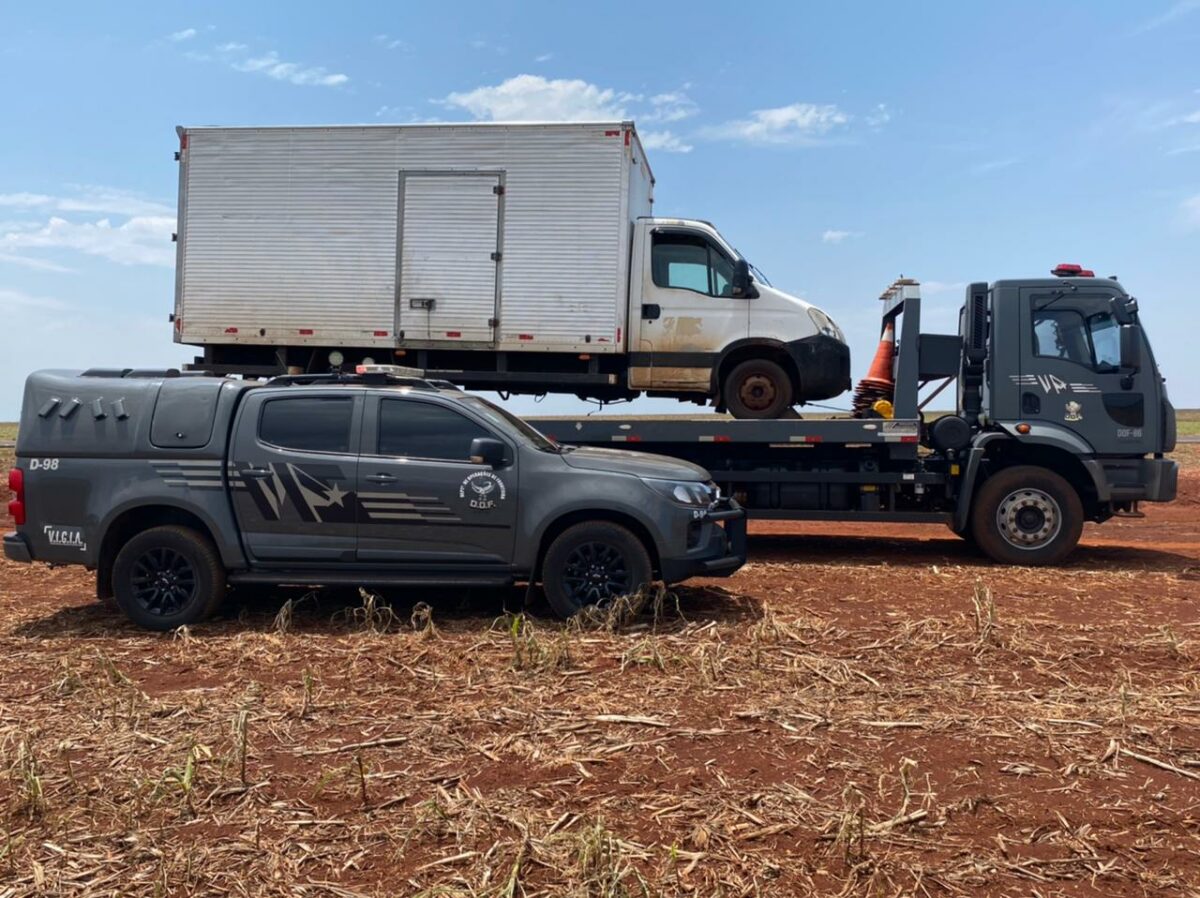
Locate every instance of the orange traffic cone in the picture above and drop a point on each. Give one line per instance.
(879, 382)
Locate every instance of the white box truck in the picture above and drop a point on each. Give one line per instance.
(511, 257)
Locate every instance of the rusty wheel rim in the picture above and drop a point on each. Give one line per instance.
(758, 392)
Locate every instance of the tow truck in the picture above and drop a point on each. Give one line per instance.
(1061, 416)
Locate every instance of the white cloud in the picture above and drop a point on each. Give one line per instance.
(1190, 209)
(1176, 11)
(1191, 118)
(673, 106)
(1179, 151)
(390, 43)
(30, 262)
(292, 72)
(185, 35)
(88, 199)
(665, 141)
(17, 299)
(525, 98)
(879, 116)
(481, 44)
(534, 98)
(142, 240)
(798, 124)
(835, 236)
(543, 57)
(230, 47)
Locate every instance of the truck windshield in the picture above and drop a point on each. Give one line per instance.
(506, 420)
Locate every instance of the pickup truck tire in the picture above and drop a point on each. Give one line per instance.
(168, 576)
(757, 388)
(591, 563)
(1027, 515)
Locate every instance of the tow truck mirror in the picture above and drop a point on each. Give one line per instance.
(1131, 347)
(488, 451)
(743, 283)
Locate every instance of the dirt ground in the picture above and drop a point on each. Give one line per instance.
(859, 711)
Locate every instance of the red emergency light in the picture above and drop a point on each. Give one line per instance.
(1071, 270)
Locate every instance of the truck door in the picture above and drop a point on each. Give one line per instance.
(422, 503)
(688, 312)
(449, 242)
(292, 469)
(1071, 376)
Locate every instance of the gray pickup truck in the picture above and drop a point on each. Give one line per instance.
(173, 488)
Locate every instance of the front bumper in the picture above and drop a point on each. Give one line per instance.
(824, 366)
(1161, 478)
(720, 555)
(16, 548)
(1123, 480)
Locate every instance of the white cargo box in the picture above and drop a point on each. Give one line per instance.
(513, 237)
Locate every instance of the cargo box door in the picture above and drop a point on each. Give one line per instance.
(449, 257)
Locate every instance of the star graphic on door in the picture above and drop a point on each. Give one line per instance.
(335, 495)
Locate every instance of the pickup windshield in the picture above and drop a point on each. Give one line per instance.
(506, 420)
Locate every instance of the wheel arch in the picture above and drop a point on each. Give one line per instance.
(578, 516)
(753, 348)
(132, 520)
(1006, 452)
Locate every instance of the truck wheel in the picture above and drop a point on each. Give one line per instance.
(593, 563)
(758, 388)
(168, 576)
(1027, 515)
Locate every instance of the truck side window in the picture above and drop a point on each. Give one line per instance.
(689, 262)
(308, 423)
(1066, 334)
(423, 430)
(1106, 340)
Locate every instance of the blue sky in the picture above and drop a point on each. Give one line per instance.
(838, 145)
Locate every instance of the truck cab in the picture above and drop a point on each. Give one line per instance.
(1080, 381)
(701, 319)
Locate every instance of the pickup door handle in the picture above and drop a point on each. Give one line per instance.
(257, 473)
(381, 478)
(651, 310)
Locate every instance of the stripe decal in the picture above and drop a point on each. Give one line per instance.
(196, 474)
(312, 490)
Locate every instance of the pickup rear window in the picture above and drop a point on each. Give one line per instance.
(308, 423)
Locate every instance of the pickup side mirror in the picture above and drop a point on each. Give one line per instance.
(488, 451)
(743, 283)
(1131, 347)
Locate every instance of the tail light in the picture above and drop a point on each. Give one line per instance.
(16, 506)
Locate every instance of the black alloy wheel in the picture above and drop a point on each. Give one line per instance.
(594, 563)
(596, 572)
(163, 581)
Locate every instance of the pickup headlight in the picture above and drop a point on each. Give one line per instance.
(825, 325)
(685, 492)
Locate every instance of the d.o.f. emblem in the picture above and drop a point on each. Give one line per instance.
(482, 490)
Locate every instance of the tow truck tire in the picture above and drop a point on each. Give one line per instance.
(591, 563)
(758, 388)
(166, 577)
(1027, 515)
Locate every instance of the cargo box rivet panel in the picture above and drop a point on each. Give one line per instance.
(507, 236)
